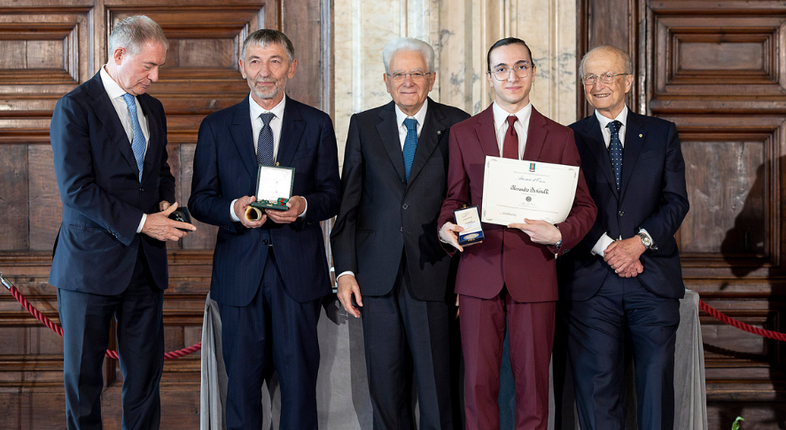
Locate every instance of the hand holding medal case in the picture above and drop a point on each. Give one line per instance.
(469, 219)
(274, 188)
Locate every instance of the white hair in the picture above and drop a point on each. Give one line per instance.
(408, 44)
(133, 32)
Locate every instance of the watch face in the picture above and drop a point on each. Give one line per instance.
(645, 240)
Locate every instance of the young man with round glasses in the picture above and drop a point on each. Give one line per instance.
(510, 276)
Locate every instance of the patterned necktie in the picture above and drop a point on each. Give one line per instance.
(138, 144)
(510, 146)
(615, 150)
(265, 141)
(410, 144)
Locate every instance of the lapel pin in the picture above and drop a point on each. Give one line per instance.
(439, 132)
(640, 136)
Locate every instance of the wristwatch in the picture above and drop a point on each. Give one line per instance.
(645, 240)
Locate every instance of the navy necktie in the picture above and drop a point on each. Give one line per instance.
(410, 144)
(615, 150)
(265, 141)
(138, 143)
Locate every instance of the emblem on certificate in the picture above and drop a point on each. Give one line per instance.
(469, 219)
(518, 189)
(274, 188)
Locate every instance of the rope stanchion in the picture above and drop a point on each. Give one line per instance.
(739, 324)
(171, 355)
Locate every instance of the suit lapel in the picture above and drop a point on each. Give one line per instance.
(486, 132)
(241, 136)
(597, 147)
(154, 133)
(106, 113)
(433, 127)
(536, 136)
(291, 130)
(388, 135)
(634, 140)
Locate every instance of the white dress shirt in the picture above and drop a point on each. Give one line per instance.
(521, 126)
(115, 94)
(420, 117)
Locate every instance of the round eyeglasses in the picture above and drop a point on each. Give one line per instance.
(606, 78)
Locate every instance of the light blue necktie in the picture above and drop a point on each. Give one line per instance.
(265, 141)
(410, 144)
(138, 144)
(615, 150)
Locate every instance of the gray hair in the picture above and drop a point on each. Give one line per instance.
(408, 44)
(620, 53)
(266, 36)
(134, 32)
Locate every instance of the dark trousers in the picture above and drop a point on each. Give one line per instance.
(598, 329)
(273, 326)
(403, 335)
(531, 334)
(140, 337)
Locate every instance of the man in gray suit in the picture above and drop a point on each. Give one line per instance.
(392, 269)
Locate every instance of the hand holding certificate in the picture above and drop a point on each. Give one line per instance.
(517, 189)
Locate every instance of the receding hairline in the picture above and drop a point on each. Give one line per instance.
(621, 55)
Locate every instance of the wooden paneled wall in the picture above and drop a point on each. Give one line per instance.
(48, 48)
(718, 70)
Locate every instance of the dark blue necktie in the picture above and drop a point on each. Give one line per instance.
(138, 144)
(615, 150)
(410, 144)
(265, 141)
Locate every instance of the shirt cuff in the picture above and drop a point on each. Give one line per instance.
(141, 223)
(348, 272)
(303, 215)
(232, 211)
(602, 244)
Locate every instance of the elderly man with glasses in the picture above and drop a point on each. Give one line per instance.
(392, 271)
(510, 277)
(623, 282)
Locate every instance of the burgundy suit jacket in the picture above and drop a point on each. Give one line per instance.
(507, 257)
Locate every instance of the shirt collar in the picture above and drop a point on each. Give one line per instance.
(256, 109)
(111, 87)
(604, 121)
(420, 116)
(501, 115)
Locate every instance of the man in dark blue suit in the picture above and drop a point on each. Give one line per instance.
(269, 275)
(624, 282)
(386, 253)
(109, 145)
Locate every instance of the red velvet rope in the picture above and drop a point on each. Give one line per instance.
(197, 346)
(59, 330)
(739, 324)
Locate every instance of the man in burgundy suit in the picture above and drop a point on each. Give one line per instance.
(512, 273)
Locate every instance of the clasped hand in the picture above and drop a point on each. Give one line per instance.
(623, 256)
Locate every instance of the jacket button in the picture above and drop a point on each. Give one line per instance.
(621, 213)
(401, 229)
(264, 242)
(142, 190)
(405, 206)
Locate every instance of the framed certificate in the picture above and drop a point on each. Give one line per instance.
(274, 187)
(469, 219)
(518, 189)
